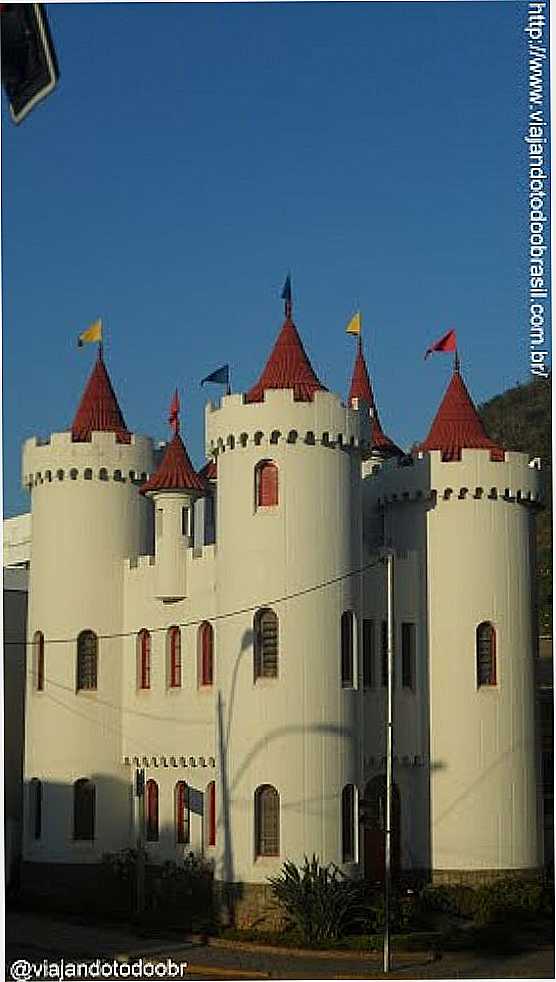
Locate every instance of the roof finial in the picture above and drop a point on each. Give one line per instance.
(174, 415)
(286, 295)
(456, 362)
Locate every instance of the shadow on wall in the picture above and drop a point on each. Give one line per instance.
(71, 829)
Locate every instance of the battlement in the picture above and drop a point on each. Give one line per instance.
(426, 476)
(232, 422)
(102, 458)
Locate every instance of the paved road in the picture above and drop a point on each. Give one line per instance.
(36, 938)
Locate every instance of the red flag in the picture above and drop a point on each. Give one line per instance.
(447, 343)
(174, 416)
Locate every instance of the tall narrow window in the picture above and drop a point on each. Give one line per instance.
(205, 653)
(84, 810)
(182, 812)
(210, 797)
(368, 654)
(35, 809)
(144, 659)
(346, 633)
(408, 656)
(87, 653)
(174, 657)
(265, 628)
(38, 654)
(267, 821)
(348, 824)
(486, 654)
(266, 484)
(384, 653)
(151, 792)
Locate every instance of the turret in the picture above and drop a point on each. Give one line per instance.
(381, 446)
(462, 511)
(88, 518)
(174, 487)
(289, 463)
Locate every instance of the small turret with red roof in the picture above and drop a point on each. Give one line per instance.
(361, 389)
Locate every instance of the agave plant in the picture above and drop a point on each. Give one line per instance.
(320, 901)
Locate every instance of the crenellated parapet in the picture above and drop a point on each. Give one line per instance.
(103, 458)
(425, 476)
(279, 418)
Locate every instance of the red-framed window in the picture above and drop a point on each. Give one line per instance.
(206, 653)
(174, 657)
(211, 813)
(182, 813)
(266, 484)
(38, 642)
(486, 654)
(151, 794)
(144, 659)
(267, 821)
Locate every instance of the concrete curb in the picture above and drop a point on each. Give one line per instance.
(326, 953)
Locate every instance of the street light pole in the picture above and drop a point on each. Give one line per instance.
(389, 559)
(139, 798)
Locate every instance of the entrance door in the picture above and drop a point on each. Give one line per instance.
(374, 826)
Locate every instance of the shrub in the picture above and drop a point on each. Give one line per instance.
(319, 901)
(511, 898)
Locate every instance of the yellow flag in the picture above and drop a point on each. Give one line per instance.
(354, 326)
(93, 333)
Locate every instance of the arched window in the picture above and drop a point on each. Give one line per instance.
(87, 654)
(182, 812)
(346, 637)
(267, 821)
(35, 808)
(144, 659)
(38, 655)
(266, 484)
(174, 657)
(210, 797)
(265, 628)
(205, 641)
(348, 824)
(486, 654)
(84, 809)
(151, 794)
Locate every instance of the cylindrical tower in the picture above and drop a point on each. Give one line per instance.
(289, 540)
(88, 517)
(467, 506)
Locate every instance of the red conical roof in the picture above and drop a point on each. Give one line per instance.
(99, 409)
(457, 425)
(361, 389)
(176, 472)
(287, 368)
(209, 471)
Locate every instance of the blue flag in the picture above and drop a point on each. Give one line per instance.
(220, 375)
(286, 293)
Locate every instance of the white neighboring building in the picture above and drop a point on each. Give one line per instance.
(223, 630)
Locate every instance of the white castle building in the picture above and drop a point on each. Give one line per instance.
(225, 631)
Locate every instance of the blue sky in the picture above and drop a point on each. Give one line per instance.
(194, 153)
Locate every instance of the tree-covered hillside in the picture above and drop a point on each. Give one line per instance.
(520, 419)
